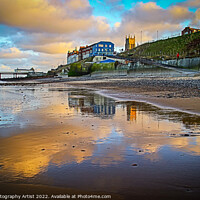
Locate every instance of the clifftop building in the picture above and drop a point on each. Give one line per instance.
(189, 30)
(130, 42)
(80, 54)
(24, 70)
(72, 56)
(102, 48)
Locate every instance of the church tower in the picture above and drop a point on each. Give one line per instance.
(130, 42)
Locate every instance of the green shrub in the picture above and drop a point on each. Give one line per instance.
(102, 66)
(75, 69)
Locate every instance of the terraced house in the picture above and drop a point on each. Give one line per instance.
(72, 56)
(102, 48)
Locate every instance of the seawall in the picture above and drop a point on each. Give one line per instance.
(185, 62)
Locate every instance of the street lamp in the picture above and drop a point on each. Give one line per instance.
(157, 35)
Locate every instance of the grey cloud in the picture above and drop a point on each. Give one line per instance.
(190, 3)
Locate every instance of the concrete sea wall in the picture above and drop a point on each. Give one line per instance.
(139, 72)
(185, 62)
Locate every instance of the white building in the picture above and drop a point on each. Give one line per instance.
(72, 56)
(24, 70)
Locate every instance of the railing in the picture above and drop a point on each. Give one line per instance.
(15, 74)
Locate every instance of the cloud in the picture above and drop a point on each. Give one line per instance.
(180, 13)
(40, 61)
(50, 26)
(190, 3)
(13, 52)
(152, 13)
(117, 9)
(150, 18)
(196, 19)
(113, 1)
(51, 48)
(117, 24)
(47, 16)
(4, 68)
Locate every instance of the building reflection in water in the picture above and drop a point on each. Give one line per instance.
(131, 113)
(93, 104)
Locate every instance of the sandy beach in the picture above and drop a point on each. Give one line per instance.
(181, 93)
(176, 93)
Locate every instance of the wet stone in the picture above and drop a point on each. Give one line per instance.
(169, 96)
(185, 135)
(188, 190)
(134, 164)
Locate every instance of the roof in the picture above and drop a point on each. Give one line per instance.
(104, 42)
(74, 52)
(107, 61)
(95, 44)
(24, 69)
(191, 28)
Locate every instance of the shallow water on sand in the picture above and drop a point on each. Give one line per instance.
(60, 136)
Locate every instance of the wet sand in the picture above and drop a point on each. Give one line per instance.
(176, 93)
(180, 93)
(62, 138)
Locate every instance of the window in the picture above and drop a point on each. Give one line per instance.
(100, 45)
(110, 45)
(106, 45)
(99, 49)
(105, 49)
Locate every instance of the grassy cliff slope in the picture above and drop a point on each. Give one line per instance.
(186, 45)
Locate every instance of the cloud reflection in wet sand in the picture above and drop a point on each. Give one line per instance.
(70, 128)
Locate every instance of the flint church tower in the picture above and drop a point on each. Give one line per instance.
(130, 42)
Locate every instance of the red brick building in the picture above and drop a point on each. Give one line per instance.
(85, 52)
(80, 55)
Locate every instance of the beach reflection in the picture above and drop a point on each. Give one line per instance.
(80, 127)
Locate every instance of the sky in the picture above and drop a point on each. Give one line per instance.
(38, 33)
